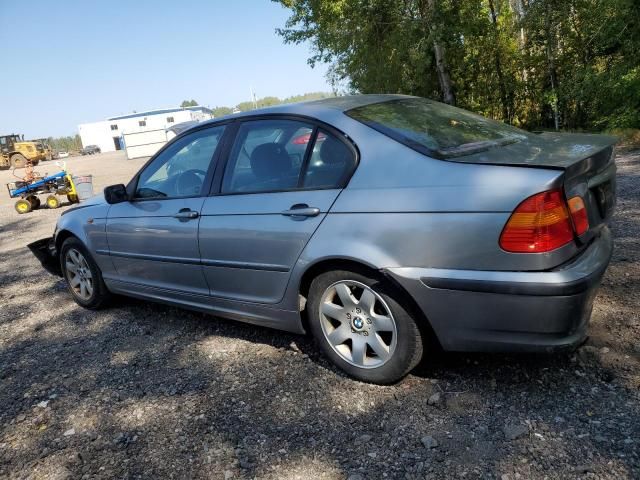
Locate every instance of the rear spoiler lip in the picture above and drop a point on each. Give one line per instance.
(45, 251)
(596, 163)
(578, 167)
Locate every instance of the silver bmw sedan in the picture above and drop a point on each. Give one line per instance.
(381, 224)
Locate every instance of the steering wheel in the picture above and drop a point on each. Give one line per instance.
(190, 182)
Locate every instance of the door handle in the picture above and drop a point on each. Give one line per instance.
(301, 210)
(186, 214)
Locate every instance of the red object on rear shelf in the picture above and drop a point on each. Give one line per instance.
(305, 137)
(539, 224)
(302, 139)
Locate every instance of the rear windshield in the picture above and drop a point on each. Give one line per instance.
(436, 129)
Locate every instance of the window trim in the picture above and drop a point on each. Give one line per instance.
(216, 188)
(307, 156)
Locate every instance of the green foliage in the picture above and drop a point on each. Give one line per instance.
(221, 111)
(533, 63)
(245, 106)
(189, 103)
(67, 144)
(268, 102)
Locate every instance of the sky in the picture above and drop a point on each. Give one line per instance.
(73, 62)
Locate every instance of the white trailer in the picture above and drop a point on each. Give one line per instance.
(144, 144)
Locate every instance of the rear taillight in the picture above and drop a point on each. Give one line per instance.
(578, 215)
(539, 224)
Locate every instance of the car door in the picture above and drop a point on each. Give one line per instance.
(153, 238)
(281, 177)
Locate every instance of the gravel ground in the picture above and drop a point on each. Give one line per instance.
(146, 391)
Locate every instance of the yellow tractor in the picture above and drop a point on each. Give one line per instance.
(43, 142)
(16, 152)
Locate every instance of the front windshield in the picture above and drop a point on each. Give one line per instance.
(434, 128)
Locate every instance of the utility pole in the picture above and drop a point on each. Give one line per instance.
(253, 98)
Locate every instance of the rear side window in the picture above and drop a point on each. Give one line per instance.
(283, 155)
(436, 129)
(330, 164)
(267, 156)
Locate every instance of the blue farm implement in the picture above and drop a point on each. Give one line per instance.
(59, 183)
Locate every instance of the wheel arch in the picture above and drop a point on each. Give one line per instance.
(62, 236)
(350, 264)
(329, 264)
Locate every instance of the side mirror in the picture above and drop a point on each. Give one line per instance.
(115, 194)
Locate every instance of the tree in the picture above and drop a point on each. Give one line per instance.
(268, 102)
(534, 63)
(245, 106)
(67, 144)
(188, 103)
(221, 111)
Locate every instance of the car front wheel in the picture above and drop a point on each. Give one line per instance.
(360, 324)
(83, 277)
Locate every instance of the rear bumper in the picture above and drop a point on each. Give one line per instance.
(472, 310)
(45, 251)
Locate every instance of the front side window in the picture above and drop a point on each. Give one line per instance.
(142, 123)
(169, 119)
(434, 128)
(114, 127)
(180, 170)
(267, 156)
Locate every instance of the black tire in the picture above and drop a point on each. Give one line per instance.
(409, 346)
(35, 201)
(18, 160)
(100, 295)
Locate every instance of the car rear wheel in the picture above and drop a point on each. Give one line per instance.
(83, 277)
(360, 324)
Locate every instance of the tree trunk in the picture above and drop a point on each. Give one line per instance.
(552, 68)
(504, 96)
(446, 85)
(518, 7)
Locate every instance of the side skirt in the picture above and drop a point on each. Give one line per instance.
(252, 313)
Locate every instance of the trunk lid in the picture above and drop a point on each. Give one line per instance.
(587, 161)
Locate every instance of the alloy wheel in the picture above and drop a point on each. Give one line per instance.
(79, 274)
(358, 324)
